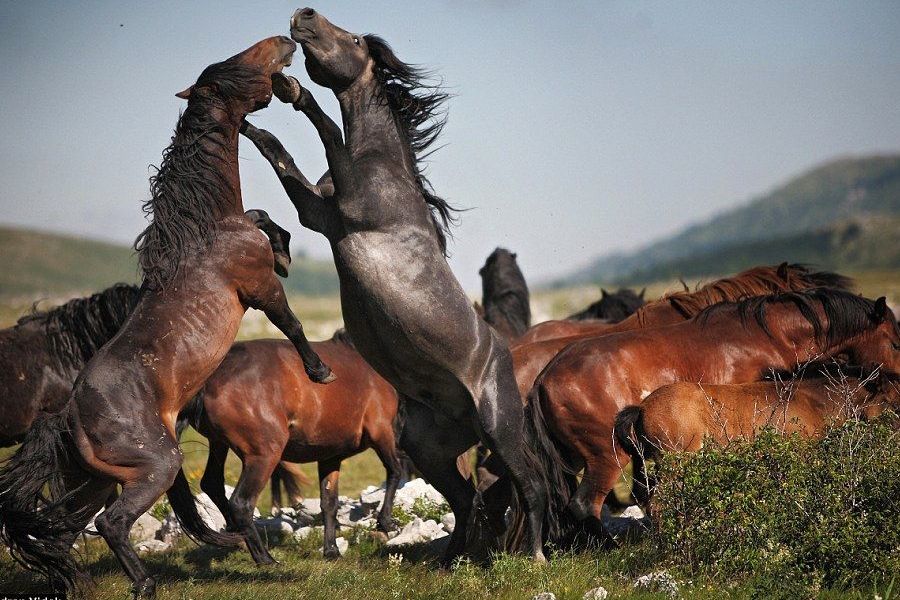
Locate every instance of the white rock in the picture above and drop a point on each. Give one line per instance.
(598, 593)
(633, 512)
(544, 596)
(275, 525)
(351, 513)
(417, 532)
(417, 488)
(145, 528)
(285, 512)
(448, 521)
(312, 506)
(305, 532)
(372, 495)
(342, 545)
(170, 530)
(153, 546)
(660, 581)
(209, 512)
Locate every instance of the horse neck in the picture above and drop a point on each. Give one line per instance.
(797, 335)
(222, 150)
(370, 126)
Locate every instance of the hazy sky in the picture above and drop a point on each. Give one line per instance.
(575, 129)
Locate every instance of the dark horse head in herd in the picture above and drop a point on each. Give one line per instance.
(504, 294)
(613, 307)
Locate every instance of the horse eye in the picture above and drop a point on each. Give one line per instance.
(896, 345)
(356, 40)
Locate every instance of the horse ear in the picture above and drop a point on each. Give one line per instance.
(881, 309)
(514, 255)
(603, 293)
(185, 94)
(782, 271)
(641, 295)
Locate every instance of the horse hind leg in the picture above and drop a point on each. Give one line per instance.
(390, 458)
(147, 477)
(213, 481)
(434, 451)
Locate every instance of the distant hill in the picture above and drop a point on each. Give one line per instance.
(35, 263)
(797, 220)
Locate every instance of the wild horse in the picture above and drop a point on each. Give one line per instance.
(583, 389)
(261, 406)
(204, 263)
(504, 295)
(41, 356)
(681, 417)
(404, 309)
(611, 307)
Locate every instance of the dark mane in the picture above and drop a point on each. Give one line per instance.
(757, 281)
(505, 296)
(341, 336)
(80, 327)
(846, 314)
(417, 107)
(187, 190)
(615, 307)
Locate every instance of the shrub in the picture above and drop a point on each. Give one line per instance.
(421, 507)
(805, 514)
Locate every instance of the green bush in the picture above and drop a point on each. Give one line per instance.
(793, 514)
(423, 508)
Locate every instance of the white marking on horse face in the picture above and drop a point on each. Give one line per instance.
(645, 393)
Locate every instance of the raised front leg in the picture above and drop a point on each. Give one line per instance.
(313, 209)
(272, 301)
(289, 90)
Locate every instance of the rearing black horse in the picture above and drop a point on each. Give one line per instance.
(402, 305)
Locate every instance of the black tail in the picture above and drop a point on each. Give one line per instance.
(185, 509)
(631, 436)
(36, 526)
(558, 476)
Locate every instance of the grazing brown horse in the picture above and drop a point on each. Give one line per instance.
(681, 417)
(677, 306)
(406, 312)
(259, 404)
(504, 295)
(530, 357)
(41, 356)
(611, 307)
(204, 263)
(583, 389)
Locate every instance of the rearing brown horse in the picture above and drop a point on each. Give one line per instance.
(583, 389)
(204, 264)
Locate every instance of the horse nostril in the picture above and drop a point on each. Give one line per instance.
(307, 12)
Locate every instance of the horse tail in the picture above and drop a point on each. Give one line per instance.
(190, 415)
(185, 509)
(37, 527)
(630, 434)
(543, 454)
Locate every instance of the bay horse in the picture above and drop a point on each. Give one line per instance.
(204, 263)
(533, 351)
(677, 306)
(611, 307)
(260, 405)
(505, 298)
(682, 417)
(402, 305)
(41, 355)
(586, 385)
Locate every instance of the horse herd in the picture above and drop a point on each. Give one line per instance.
(98, 390)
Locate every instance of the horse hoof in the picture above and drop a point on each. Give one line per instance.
(144, 589)
(286, 88)
(266, 559)
(323, 375)
(331, 554)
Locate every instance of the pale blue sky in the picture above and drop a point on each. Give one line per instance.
(575, 129)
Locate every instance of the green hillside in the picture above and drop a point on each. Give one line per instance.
(848, 189)
(36, 263)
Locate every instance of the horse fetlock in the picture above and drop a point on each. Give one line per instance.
(146, 588)
(286, 88)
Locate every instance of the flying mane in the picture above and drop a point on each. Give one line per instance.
(80, 327)
(758, 281)
(845, 313)
(188, 189)
(417, 107)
